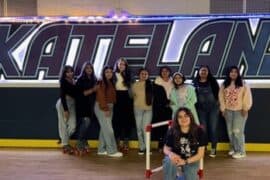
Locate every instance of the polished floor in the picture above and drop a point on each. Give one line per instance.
(51, 164)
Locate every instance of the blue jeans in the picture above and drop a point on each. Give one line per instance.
(143, 118)
(106, 134)
(235, 128)
(170, 170)
(209, 120)
(84, 124)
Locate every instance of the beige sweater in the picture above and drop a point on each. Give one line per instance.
(235, 99)
(138, 91)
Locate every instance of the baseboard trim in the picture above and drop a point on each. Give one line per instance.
(53, 143)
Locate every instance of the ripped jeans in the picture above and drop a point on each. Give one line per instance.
(170, 170)
(236, 122)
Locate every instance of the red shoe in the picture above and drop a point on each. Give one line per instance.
(67, 149)
(125, 149)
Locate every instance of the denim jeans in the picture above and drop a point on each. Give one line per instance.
(170, 170)
(143, 118)
(209, 120)
(66, 127)
(84, 124)
(235, 128)
(106, 134)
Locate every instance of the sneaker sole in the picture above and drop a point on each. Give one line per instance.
(115, 156)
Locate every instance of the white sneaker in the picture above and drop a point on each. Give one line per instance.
(117, 154)
(231, 152)
(141, 152)
(213, 153)
(238, 155)
(102, 153)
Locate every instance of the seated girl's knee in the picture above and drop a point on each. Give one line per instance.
(167, 161)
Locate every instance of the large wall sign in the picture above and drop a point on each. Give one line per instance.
(37, 48)
(33, 51)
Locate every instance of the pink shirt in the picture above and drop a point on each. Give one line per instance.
(235, 99)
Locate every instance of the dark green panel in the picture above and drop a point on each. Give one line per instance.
(29, 113)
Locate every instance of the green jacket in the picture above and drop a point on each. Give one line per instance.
(188, 99)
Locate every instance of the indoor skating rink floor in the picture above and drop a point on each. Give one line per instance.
(52, 164)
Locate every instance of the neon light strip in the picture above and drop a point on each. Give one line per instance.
(254, 83)
(31, 19)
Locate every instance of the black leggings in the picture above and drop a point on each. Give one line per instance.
(123, 116)
(161, 114)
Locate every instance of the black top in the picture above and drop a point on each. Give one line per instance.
(161, 108)
(67, 88)
(185, 145)
(85, 104)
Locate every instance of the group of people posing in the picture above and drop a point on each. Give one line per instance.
(115, 100)
(201, 104)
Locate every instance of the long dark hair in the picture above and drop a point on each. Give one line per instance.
(210, 79)
(193, 127)
(83, 74)
(238, 81)
(126, 74)
(64, 71)
(148, 88)
(104, 77)
(165, 67)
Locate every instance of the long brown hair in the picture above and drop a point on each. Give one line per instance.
(193, 127)
(126, 74)
(104, 80)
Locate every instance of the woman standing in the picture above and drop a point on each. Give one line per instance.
(65, 107)
(164, 80)
(85, 101)
(183, 95)
(235, 102)
(143, 97)
(123, 109)
(207, 105)
(106, 97)
(161, 103)
(184, 146)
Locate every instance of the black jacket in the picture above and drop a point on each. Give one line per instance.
(67, 88)
(161, 108)
(85, 104)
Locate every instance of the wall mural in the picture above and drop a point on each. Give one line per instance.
(37, 48)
